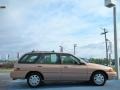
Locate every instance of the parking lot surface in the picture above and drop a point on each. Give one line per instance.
(7, 84)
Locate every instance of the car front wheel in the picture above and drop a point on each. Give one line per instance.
(34, 80)
(99, 78)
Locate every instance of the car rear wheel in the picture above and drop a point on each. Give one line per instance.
(34, 80)
(99, 78)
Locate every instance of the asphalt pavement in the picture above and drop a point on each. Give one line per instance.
(6, 83)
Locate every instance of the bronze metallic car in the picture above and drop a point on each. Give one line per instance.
(38, 67)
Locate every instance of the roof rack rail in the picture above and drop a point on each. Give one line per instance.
(53, 51)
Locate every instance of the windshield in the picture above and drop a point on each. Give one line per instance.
(82, 60)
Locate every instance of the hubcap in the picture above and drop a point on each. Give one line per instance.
(99, 79)
(34, 80)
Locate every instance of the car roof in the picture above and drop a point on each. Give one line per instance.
(40, 52)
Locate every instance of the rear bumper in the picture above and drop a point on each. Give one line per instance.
(18, 74)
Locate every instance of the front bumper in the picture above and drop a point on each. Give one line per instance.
(112, 75)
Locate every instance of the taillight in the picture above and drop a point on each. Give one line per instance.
(16, 69)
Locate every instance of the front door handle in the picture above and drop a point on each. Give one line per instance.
(39, 66)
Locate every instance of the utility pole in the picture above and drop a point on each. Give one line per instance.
(61, 48)
(105, 33)
(75, 45)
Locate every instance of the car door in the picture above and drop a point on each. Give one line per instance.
(50, 66)
(72, 69)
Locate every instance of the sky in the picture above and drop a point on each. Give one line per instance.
(44, 25)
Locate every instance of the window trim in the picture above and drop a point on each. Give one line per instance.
(58, 57)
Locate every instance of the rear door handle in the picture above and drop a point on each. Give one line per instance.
(65, 67)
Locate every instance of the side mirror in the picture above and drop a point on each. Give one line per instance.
(81, 63)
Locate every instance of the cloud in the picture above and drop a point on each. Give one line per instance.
(46, 24)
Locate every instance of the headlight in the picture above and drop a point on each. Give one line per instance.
(111, 70)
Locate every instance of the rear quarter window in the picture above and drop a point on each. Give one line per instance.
(29, 58)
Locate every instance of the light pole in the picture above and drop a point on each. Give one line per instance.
(109, 51)
(109, 4)
(105, 33)
(61, 48)
(2, 6)
(18, 55)
(8, 57)
(75, 45)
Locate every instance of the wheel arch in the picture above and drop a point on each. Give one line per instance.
(36, 72)
(97, 72)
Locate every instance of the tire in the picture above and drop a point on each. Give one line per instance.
(98, 79)
(34, 80)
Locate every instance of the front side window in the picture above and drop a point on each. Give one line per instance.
(68, 59)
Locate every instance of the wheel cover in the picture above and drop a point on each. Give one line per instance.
(99, 79)
(34, 80)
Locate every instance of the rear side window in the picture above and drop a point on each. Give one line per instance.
(40, 59)
(48, 59)
(29, 58)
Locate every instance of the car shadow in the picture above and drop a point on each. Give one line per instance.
(67, 84)
(23, 85)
